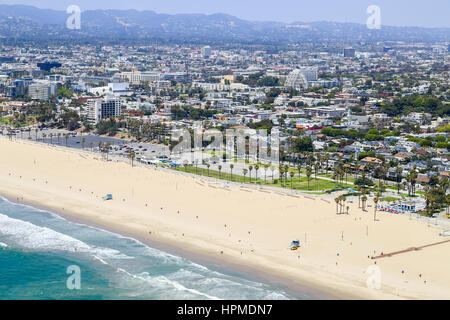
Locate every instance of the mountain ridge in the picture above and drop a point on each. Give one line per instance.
(28, 22)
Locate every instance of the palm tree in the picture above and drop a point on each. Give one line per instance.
(286, 172)
(220, 171)
(66, 136)
(281, 173)
(91, 145)
(208, 165)
(405, 186)
(106, 149)
(83, 140)
(444, 184)
(412, 177)
(447, 203)
(308, 174)
(266, 166)
(326, 158)
(299, 169)
(430, 200)
(334, 177)
(231, 170)
(292, 174)
(344, 199)
(364, 199)
(377, 198)
(341, 203)
(250, 168)
(399, 178)
(256, 172)
(51, 138)
(59, 136)
(359, 188)
(244, 171)
(316, 168)
(185, 164)
(381, 188)
(337, 200)
(132, 155)
(36, 131)
(44, 135)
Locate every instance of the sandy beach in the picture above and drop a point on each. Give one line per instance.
(240, 226)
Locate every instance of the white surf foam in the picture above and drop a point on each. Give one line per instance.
(224, 286)
(32, 237)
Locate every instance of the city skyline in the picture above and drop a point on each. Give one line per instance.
(400, 13)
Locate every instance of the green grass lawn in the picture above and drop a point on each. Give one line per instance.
(5, 121)
(297, 183)
(389, 199)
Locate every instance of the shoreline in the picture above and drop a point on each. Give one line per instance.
(296, 291)
(198, 234)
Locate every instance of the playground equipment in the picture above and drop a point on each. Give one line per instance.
(107, 197)
(295, 245)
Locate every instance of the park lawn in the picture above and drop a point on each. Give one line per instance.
(297, 183)
(389, 199)
(16, 125)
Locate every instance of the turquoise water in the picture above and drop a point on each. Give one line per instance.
(37, 247)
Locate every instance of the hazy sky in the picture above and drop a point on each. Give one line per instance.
(424, 13)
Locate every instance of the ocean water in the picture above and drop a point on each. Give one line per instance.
(37, 247)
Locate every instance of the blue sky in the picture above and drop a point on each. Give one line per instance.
(431, 13)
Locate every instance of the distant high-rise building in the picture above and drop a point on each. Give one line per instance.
(41, 90)
(137, 77)
(99, 109)
(17, 88)
(206, 52)
(349, 53)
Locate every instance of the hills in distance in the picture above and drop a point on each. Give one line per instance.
(20, 22)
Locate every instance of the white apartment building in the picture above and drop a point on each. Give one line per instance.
(115, 88)
(206, 52)
(99, 109)
(137, 77)
(41, 90)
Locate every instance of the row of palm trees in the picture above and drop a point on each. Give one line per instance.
(362, 202)
(245, 171)
(436, 196)
(285, 174)
(340, 205)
